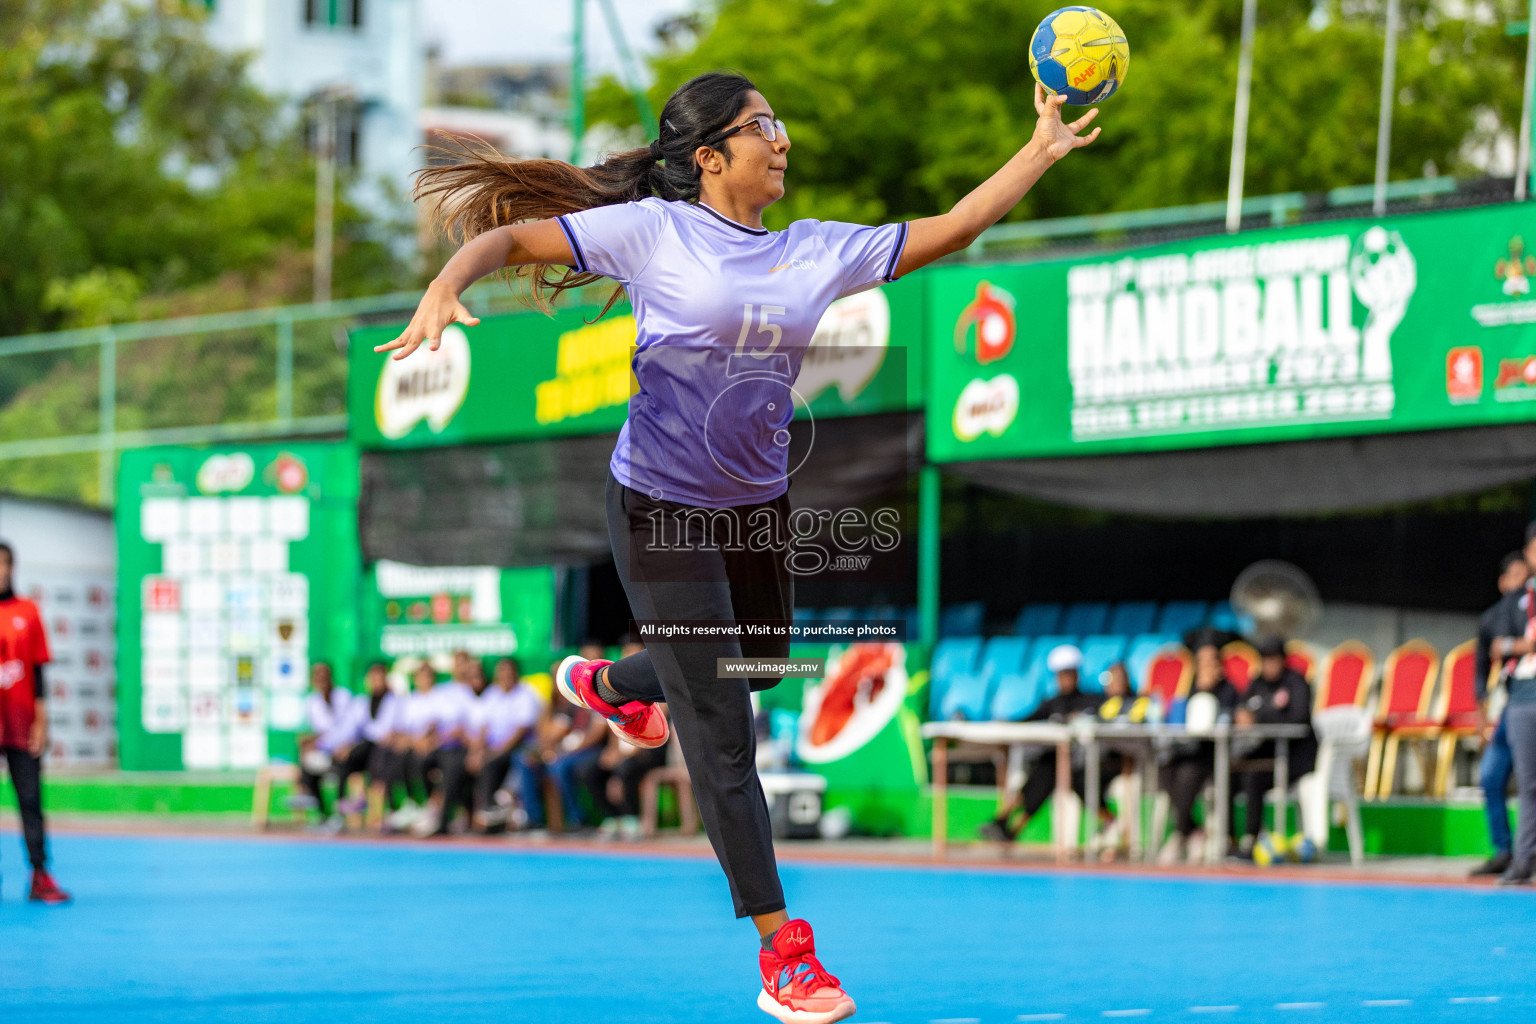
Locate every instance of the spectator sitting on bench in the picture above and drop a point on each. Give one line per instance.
(1065, 661)
(326, 718)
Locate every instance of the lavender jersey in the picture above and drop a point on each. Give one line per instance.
(724, 315)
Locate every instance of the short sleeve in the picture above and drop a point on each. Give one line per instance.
(40, 655)
(615, 241)
(868, 255)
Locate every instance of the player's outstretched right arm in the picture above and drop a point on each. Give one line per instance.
(514, 245)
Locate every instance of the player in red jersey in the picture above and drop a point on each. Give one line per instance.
(24, 720)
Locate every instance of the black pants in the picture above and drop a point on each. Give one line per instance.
(354, 763)
(387, 767)
(689, 575)
(629, 772)
(457, 783)
(1040, 783)
(492, 774)
(27, 780)
(1252, 785)
(1184, 777)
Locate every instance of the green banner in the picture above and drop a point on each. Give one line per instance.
(414, 611)
(527, 375)
(1340, 328)
(237, 569)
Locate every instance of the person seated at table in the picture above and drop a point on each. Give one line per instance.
(1278, 695)
(1120, 700)
(1120, 705)
(1192, 762)
(1040, 782)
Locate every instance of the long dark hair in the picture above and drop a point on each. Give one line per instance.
(482, 189)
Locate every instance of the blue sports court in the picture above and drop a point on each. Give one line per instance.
(170, 929)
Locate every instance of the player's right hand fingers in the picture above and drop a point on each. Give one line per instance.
(463, 315)
(390, 346)
(409, 347)
(1039, 98)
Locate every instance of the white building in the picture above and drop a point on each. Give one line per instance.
(370, 50)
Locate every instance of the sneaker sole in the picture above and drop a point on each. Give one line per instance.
(774, 1008)
(563, 680)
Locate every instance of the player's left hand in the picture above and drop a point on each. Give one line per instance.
(37, 740)
(1051, 134)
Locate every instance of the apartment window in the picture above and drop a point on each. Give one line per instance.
(349, 130)
(333, 13)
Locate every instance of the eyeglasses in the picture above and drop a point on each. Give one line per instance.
(770, 129)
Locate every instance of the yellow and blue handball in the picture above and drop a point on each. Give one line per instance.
(1269, 850)
(1079, 52)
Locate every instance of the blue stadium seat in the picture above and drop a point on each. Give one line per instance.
(842, 613)
(1017, 696)
(1037, 619)
(803, 615)
(1099, 652)
(963, 619)
(1085, 617)
(969, 695)
(1132, 617)
(914, 622)
(1223, 616)
(1142, 650)
(953, 657)
(1181, 616)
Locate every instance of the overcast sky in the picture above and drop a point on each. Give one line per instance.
(512, 31)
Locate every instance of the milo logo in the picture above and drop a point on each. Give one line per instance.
(429, 386)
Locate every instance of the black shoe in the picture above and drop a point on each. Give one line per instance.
(1518, 874)
(1495, 865)
(996, 831)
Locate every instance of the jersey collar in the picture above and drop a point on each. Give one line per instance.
(726, 220)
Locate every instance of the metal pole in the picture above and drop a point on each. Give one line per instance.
(1384, 126)
(578, 81)
(631, 70)
(928, 553)
(1523, 151)
(107, 425)
(325, 197)
(285, 368)
(1240, 118)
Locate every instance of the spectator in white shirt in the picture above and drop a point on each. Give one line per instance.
(450, 706)
(325, 716)
(412, 737)
(504, 718)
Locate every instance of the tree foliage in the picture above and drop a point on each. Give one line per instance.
(897, 108)
(136, 160)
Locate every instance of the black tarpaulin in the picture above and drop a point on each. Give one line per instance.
(1330, 475)
(541, 502)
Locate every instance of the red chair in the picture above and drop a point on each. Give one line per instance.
(1302, 657)
(1456, 709)
(1169, 675)
(1346, 676)
(1242, 664)
(1407, 689)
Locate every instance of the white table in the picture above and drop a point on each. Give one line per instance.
(1093, 733)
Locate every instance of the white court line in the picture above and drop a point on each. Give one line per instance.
(956, 1020)
(1126, 1013)
(1300, 1006)
(1229, 1008)
(1474, 999)
(1386, 1002)
(1040, 1016)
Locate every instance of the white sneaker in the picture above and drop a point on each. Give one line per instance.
(1196, 847)
(425, 823)
(629, 828)
(402, 819)
(1173, 851)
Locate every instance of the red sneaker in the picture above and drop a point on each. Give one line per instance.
(796, 988)
(638, 722)
(45, 889)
